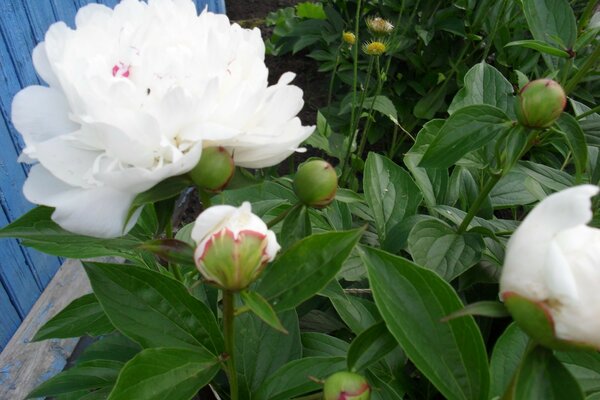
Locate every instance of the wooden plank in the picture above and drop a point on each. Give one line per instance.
(25, 364)
(10, 320)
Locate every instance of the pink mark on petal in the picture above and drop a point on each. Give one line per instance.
(121, 70)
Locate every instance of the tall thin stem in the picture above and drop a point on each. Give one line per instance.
(228, 330)
(589, 63)
(363, 140)
(479, 201)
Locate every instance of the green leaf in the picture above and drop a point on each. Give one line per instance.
(264, 197)
(370, 346)
(263, 310)
(310, 10)
(575, 137)
(412, 301)
(551, 18)
(384, 105)
(261, 350)
(114, 347)
(585, 367)
(492, 309)
(37, 230)
(391, 194)
(296, 226)
(542, 376)
(85, 376)
(306, 268)
(165, 373)
(436, 246)
(153, 309)
(508, 351)
(540, 46)
(468, 129)
(430, 104)
(83, 316)
(293, 379)
(484, 84)
(359, 314)
(315, 344)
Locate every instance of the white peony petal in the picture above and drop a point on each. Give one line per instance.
(82, 211)
(92, 14)
(40, 113)
(43, 67)
(211, 220)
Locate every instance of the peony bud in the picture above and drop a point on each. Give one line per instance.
(214, 170)
(234, 246)
(540, 103)
(346, 386)
(551, 272)
(315, 183)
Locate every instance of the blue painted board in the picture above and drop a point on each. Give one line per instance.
(23, 23)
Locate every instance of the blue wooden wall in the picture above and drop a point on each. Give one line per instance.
(24, 273)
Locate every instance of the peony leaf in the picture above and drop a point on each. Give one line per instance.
(508, 351)
(412, 300)
(166, 315)
(370, 346)
(83, 316)
(165, 373)
(263, 310)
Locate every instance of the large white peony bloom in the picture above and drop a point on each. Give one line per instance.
(134, 94)
(553, 259)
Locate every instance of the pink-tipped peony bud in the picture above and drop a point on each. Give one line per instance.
(346, 386)
(315, 183)
(234, 246)
(214, 170)
(540, 103)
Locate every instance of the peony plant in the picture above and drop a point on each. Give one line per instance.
(368, 273)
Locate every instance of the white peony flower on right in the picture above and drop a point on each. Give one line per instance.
(552, 265)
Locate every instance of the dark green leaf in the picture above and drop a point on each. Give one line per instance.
(261, 350)
(430, 104)
(37, 230)
(263, 310)
(585, 367)
(114, 347)
(507, 354)
(153, 309)
(391, 194)
(359, 314)
(575, 137)
(370, 346)
(435, 245)
(542, 376)
(484, 84)
(165, 373)
(85, 376)
(293, 379)
(412, 301)
(551, 18)
(540, 46)
(468, 129)
(306, 268)
(316, 344)
(296, 226)
(83, 316)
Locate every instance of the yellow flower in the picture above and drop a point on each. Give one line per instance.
(374, 48)
(349, 38)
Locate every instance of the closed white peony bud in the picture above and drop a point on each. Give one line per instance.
(233, 246)
(551, 277)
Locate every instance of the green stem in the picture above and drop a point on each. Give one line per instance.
(490, 42)
(588, 112)
(228, 317)
(586, 14)
(281, 216)
(176, 271)
(589, 63)
(479, 201)
(332, 79)
(363, 140)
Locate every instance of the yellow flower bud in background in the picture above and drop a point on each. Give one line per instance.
(348, 37)
(374, 48)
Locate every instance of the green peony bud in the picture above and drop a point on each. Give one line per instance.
(214, 170)
(346, 386)
(315, 183)
(540, 103)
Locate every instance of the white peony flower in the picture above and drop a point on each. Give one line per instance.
(134, 94)
(233, 245)
(553, 259)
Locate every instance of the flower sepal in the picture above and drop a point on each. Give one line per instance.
(535, 319)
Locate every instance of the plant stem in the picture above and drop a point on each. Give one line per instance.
(586, 14)
(228, 331)
(490, 42)
(589, 63)
(588, 112)
(176, 271)
(479, 201)
(363, 139)
(281, 216)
